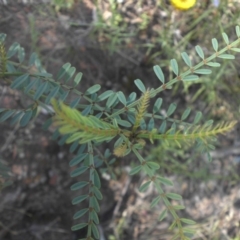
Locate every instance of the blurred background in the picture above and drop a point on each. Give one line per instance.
(114, 42)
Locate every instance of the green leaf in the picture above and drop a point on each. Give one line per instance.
(190, 78)
(19, 81)
(10, 68)
(64, 96)
(71, 137)
(225, 37)
(171, 109)
(174, 66)
(157, 105)
(32, 58)
(238, 31)
(186, 59)
(31, 85)
(163, 126)
(74, 146)
(185, 114)
(131, 97)
(123, 123)
(173, 128)
(187, 221)
(55, 135)
(79, 185)
(63, 139)
(52, 94)
(155, 201)
(79, 226)
(159, 73)
(105, 95)
(75, 102)
(79, 158)
(151, 124)
(174, 196)
(178, 207)
(144, 186)
(96, 179)
(131, 117)
(215, 44)
(34, 111)
(21, 54)
(111, 100)
(79, 171)
(99, 115)
(95, 231)
(118, 142)
(80, 213)
(153, 165)
(44, 74)
(197, 117)
(208, 123)
(26, 118)
(13, 49)
(94, 217)
(2, 37)
(199, 51)
(163, 215)
(165, 181)
(209, 157)
(6, 115)
(135, 170)
(226, 56)
(69, 74)
(47, 124)
(82, 148)
(64, 69)
(16, 118)
(203, 71)
(87, 110)
(122, 98)
(77, 79)
(38, 64)
(213, 64)
(189, 230)
(93, 89)
(97, 193)
(143, 124)
(94, 203)
(79, 199)
(140, 85)
(40, 90)
(178, 235)
(235, 49)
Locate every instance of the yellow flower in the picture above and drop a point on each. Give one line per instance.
(183, 4)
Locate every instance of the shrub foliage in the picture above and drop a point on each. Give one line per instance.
(93, 118)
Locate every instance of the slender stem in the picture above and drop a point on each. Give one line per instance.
(91, 177)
